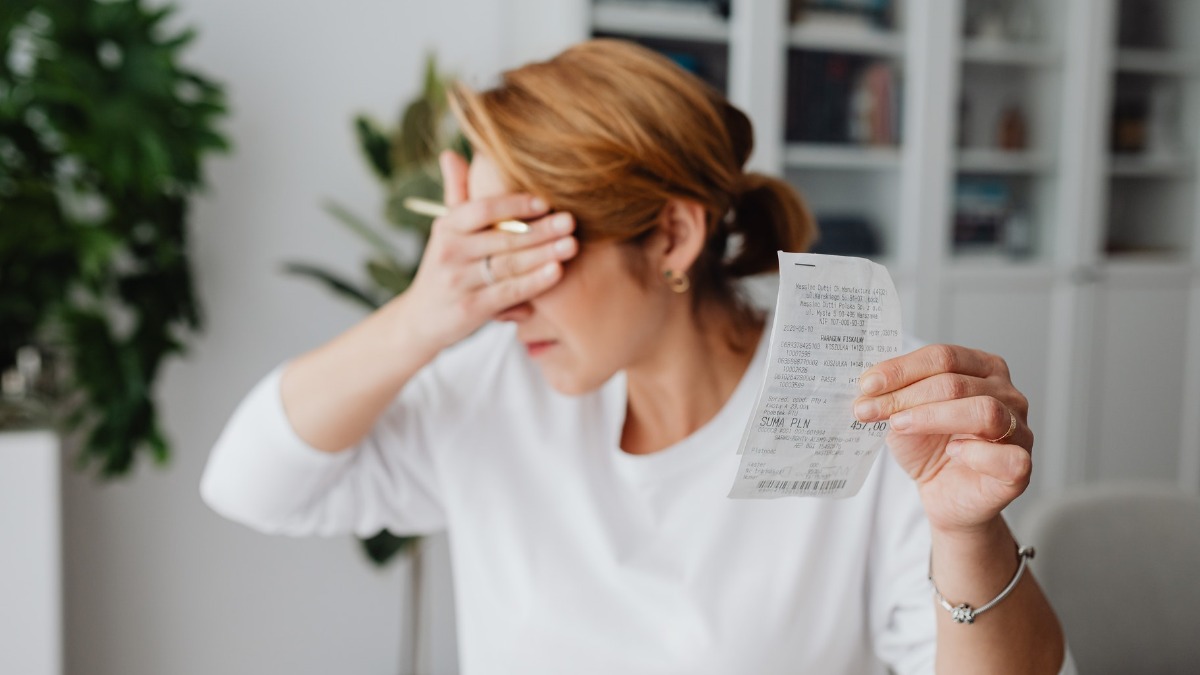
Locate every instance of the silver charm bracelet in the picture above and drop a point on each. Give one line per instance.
(964, 613)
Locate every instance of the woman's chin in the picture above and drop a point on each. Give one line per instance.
(569, 384)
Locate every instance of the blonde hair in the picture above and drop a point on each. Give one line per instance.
(611, 131)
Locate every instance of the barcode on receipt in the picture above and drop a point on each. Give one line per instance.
(816, 485)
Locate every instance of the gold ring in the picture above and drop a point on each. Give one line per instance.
(1012, 426)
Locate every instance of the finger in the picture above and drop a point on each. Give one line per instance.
(515, 264)
(479, 214)
(941, 387)
(984, 417)
(454, 177)
(1009, 464)
(925, 362)
(492, 242)
(518, 289)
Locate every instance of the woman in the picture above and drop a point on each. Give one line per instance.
(567, 404)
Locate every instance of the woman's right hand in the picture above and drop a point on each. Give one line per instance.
(452, 293)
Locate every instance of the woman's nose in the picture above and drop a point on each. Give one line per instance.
(516, 312)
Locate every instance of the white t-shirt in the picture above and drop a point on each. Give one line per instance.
(572, 556)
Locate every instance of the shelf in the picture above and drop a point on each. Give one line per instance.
(1150, 62)
(992, 52)
(1150, 167)
(824, 156)
(979, 160)
(991, 270)
(1147, 267)
(865, 42)
(660, 20)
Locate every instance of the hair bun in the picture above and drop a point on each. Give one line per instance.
(741, 133)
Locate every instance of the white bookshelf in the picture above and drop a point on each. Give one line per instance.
(990, 161)
(1113, 258)
(1008, 53)
(830, 156)
(1155, 62)
(865, 42)
(1179, 166)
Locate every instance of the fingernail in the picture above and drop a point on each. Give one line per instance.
(866, 410)
(954, 449)
(871, 384)
(549, 270)
(561, 222)
(564, 246)
(538, 204)
(901, 421)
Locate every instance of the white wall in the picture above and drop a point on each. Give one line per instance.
(155, 583)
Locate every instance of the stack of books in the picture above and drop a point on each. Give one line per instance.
(842, 98)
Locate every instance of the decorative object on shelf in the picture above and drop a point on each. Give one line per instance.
(1012, 133)
(988, 218)
(1129, 121)
(1023, 21)
(1000, 21)
(874, 105)
(403, 158)
(102, 136)
(23, 405)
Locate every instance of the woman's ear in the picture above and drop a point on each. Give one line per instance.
(684, 229)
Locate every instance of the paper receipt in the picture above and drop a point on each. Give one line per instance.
(835, 317)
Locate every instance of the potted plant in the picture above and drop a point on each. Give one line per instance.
(102, 137)
(403, 157)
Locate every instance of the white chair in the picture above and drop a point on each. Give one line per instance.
(1121, 563)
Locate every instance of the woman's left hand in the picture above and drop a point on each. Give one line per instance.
(951, 410)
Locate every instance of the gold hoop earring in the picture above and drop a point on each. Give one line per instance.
(678, 283)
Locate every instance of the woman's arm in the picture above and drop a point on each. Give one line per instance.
(334, 394)
(958, 427)
(1018, 635)
(279, 465)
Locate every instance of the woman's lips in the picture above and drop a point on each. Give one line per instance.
(539, 347)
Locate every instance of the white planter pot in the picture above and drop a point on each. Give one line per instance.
(30, 554)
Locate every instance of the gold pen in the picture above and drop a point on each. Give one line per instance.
(426, 207)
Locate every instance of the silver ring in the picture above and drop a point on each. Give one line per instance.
(1012, 426)
(488, 277)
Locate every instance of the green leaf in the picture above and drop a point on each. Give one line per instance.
(362, 229)
(393, 279)
(415, 143)
(384, 546)
(375, 146)
(335, 283)
(420, 183)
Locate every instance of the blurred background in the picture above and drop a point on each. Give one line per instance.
(1026, 170)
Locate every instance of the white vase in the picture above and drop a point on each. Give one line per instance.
(30, 554)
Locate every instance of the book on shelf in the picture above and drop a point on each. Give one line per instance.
(846, 234)
(840, 98)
